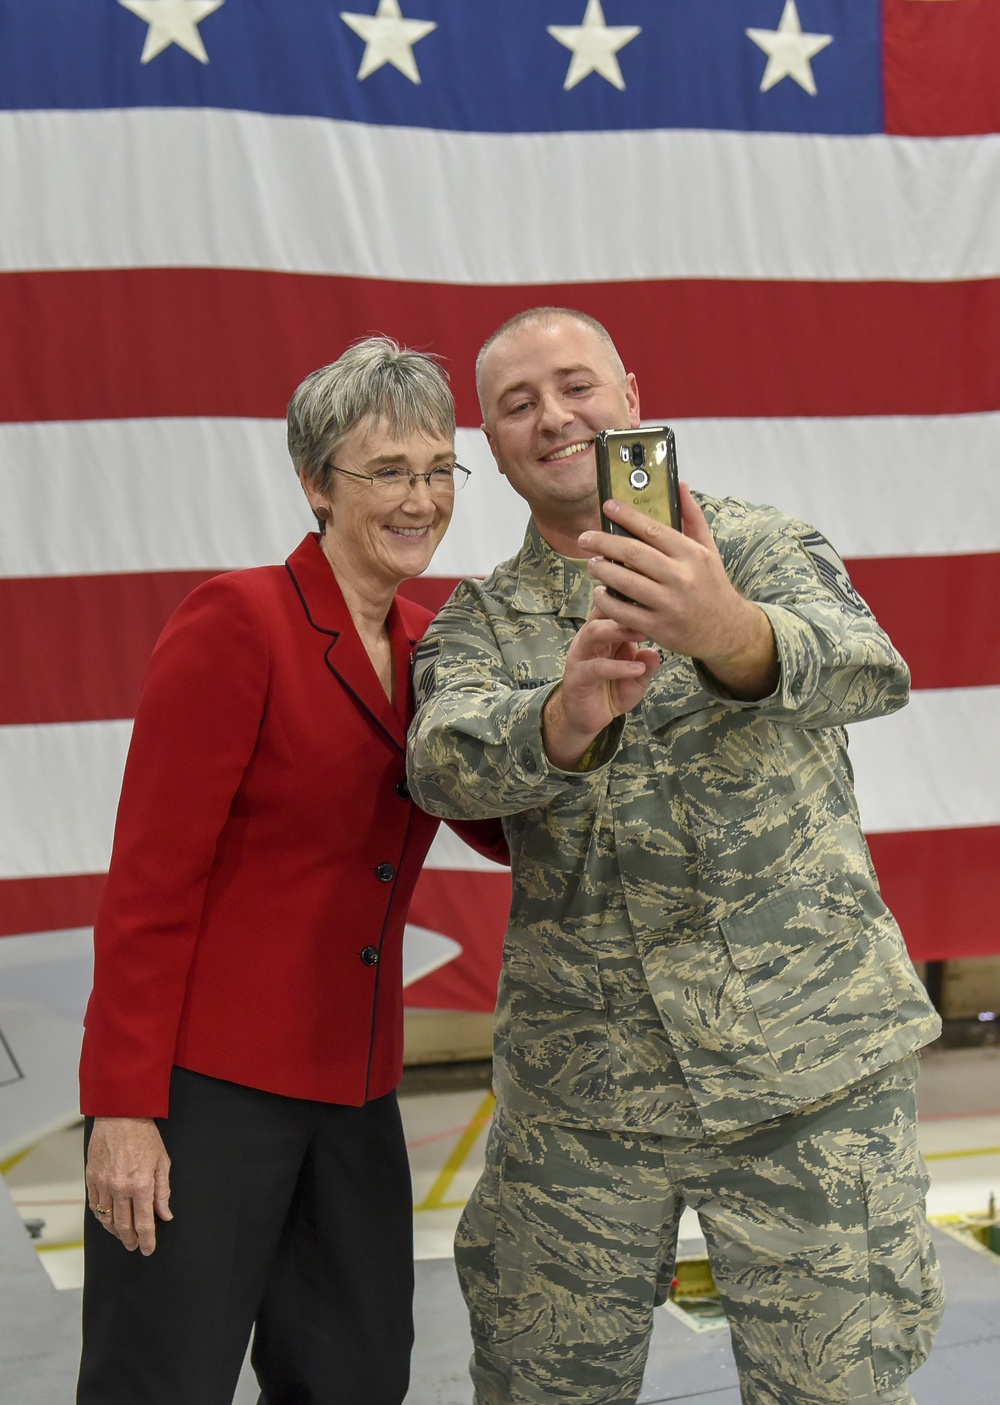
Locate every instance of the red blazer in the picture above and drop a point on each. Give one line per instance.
(265, 852)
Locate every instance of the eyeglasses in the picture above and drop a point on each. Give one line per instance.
(442, 481)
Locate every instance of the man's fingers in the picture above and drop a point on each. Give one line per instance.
(647, 532)
(600, 666)
(635, 562)
(603, 627)
(643, 529)
(639, 590)
(633, 552)
(606, 667)
(603, 635)
(695, 526)
(627, 693)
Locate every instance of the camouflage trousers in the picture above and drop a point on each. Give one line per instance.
(816, 1233)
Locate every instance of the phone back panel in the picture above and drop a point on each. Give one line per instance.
(639, 467)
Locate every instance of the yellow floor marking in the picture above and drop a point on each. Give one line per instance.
(435, 1198)
(449, 1132)
(12, 1161)
(951, 1218)
(953, 1155)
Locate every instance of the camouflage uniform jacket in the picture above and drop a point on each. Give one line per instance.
(719, 839)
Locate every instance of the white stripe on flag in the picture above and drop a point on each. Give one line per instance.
(875, 485)
(108, 496)
(296, 194)
(932, 766)
(66, 778)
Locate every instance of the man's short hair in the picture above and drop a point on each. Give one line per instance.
(540, 317)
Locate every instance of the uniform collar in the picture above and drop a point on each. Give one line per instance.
(549, 584)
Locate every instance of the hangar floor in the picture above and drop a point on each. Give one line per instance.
(446, 1113)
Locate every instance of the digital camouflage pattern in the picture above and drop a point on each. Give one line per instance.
(815, 1229)
(696, 940)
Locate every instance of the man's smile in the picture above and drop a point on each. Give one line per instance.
(570, 449)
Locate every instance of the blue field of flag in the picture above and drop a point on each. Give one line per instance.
(485, 66)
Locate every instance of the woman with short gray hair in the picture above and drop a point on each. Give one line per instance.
(407, 390)
(244, 1035)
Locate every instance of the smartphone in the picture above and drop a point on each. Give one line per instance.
(639, 467)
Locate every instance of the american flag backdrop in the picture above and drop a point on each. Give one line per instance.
(786, 211)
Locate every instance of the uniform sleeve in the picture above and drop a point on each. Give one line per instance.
(837, 665)
(195, 730)
(475, 746)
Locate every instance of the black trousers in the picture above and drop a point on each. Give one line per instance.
(292, 1218)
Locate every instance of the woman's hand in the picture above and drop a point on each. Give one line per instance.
(128, 1179)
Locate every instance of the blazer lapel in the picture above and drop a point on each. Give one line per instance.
(345, 655)
(405, 634)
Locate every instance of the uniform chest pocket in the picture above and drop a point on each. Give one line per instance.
(527, 672)
(810, 970)
(535, 654)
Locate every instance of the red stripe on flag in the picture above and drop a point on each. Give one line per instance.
(940, 67)
(107, 344)
(472, 909)
(75, 648)
(48, 904)
(942, 887)
(940, 612)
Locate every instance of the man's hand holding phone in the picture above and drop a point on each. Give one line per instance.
(680, 597)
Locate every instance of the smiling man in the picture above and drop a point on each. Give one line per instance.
(704, 1000)
(546, 387)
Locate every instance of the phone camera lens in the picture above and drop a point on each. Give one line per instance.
(638, 455)
(639, 479)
